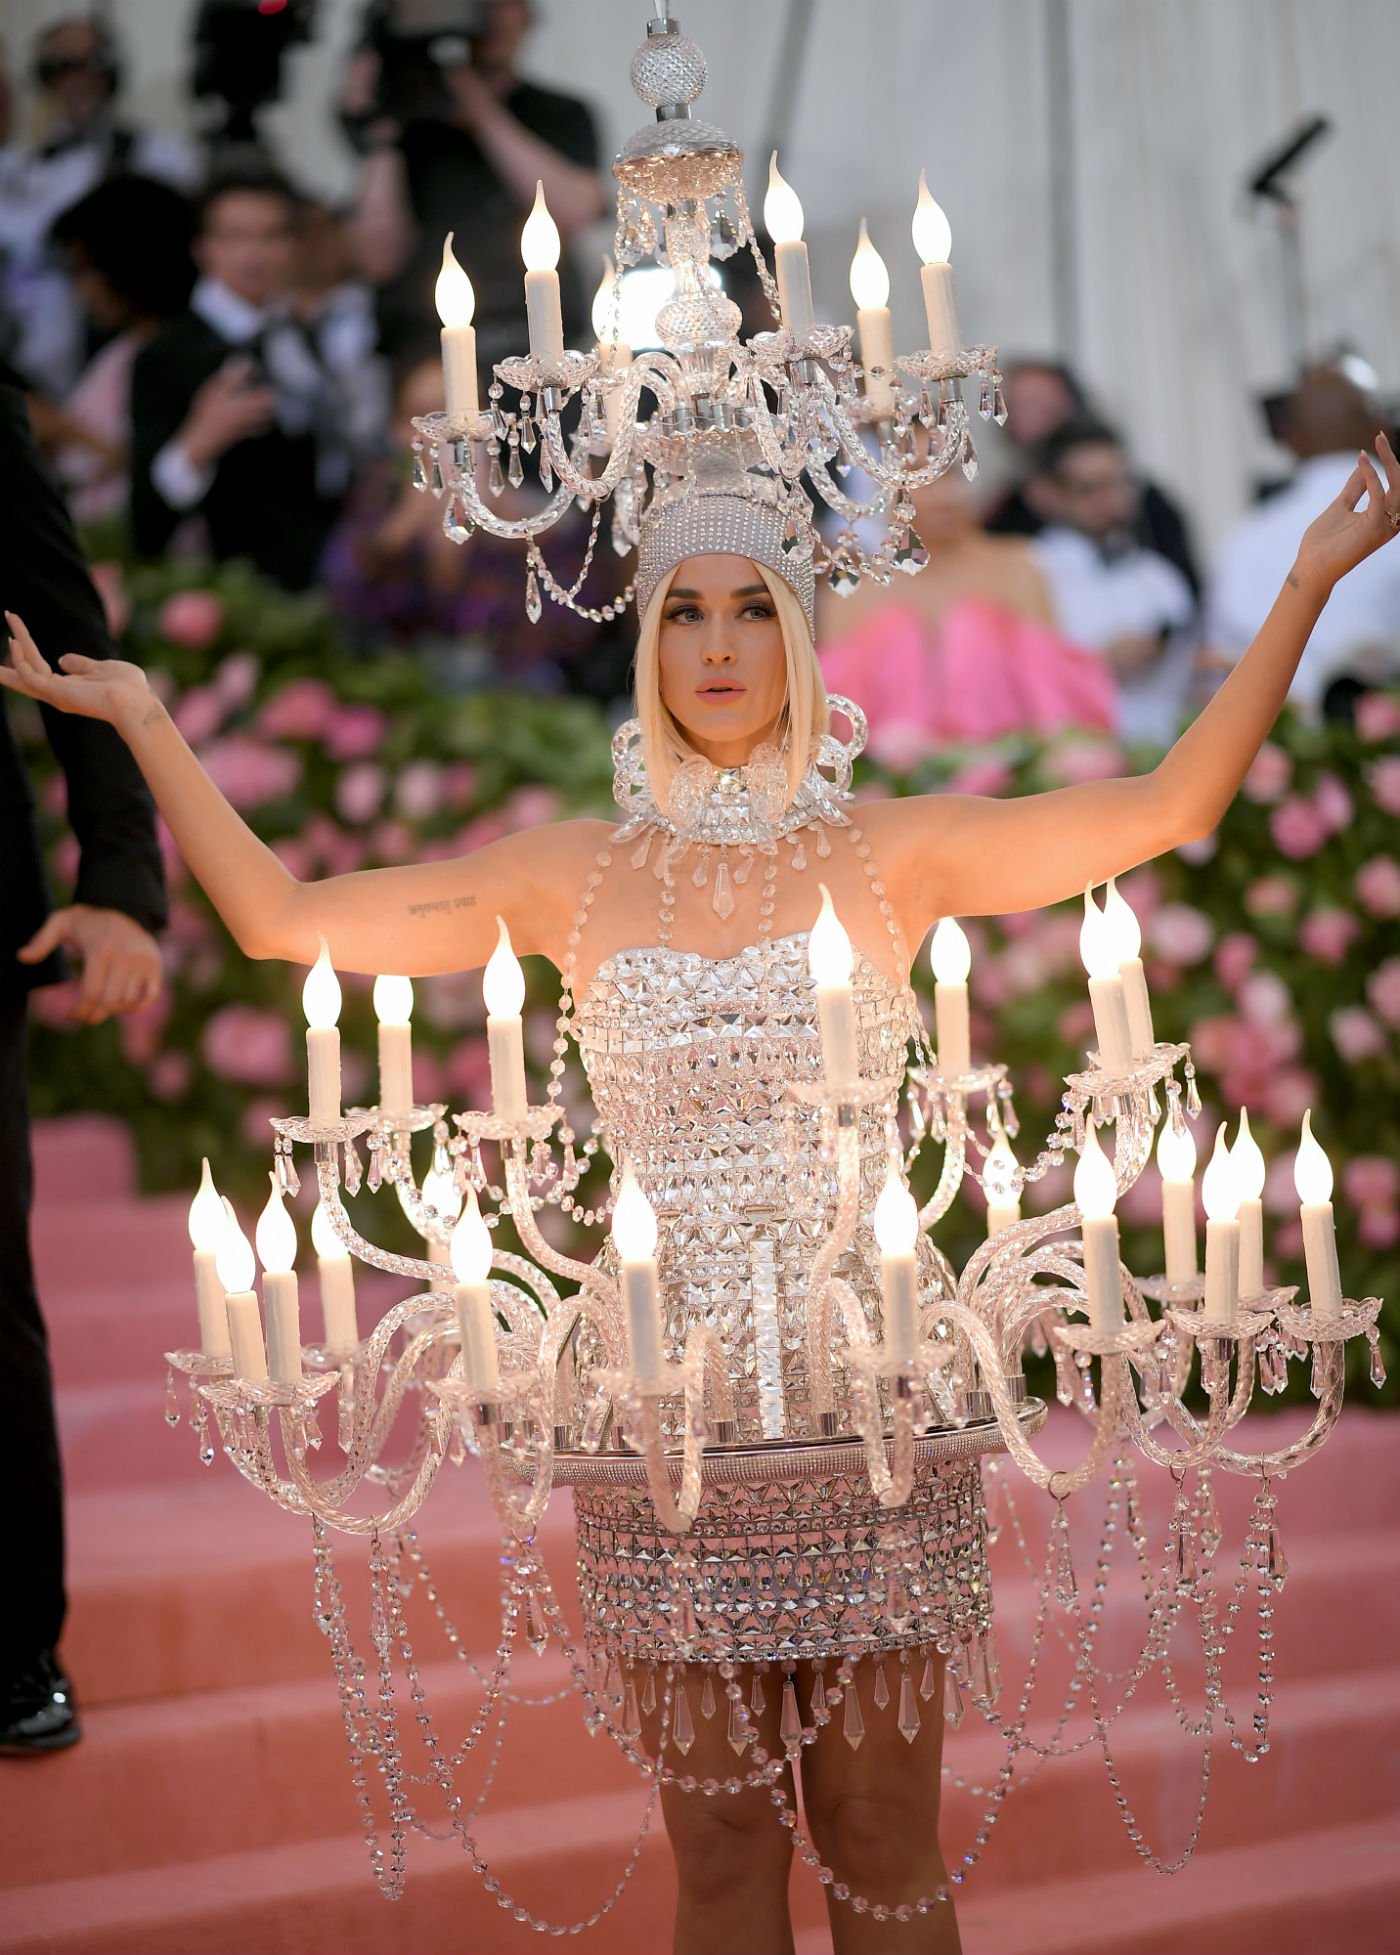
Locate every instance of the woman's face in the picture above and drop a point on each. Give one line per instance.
(723, 668)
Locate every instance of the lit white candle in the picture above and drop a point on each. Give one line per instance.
(333, 1267)
(1127, 942)
(896, 1223)
(782, 214)
(1312, 1177)
(1106, 995)
(1095, 1193)
(393, 1007)
(951, 957)
(456, 302)
(471, 1264)
(1251, 1172)
(539, 247)
(444, 1197)
(236, 1272)
(503, 986)
(870, 288)
(1221, 1194)
(276, 1238)
(933, 240)
(634, 1233)
(207, 1223)
(1176, 1158)
(999, 1172)
(320, 1000)
(614, 357)
(829, 959)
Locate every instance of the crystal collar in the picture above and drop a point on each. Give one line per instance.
(738, 807)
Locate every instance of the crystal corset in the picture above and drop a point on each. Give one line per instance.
(689, 1059)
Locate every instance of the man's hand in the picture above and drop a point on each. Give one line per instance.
(121, 961)
(232, 405)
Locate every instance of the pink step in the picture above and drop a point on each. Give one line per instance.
(90, 1151)
(111, 1243)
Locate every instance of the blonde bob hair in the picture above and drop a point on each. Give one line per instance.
(801, 724)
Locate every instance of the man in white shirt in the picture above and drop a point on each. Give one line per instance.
(1327, 420)
(77, 72)
(1110, 594)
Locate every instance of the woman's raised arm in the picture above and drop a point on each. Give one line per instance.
(412, 921)
(966, 855)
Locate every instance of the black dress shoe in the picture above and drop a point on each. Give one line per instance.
(38, 1712)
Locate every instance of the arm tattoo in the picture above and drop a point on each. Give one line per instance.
(442, 904)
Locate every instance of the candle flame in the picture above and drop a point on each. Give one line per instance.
(453, 295)
(1095, 1184)
(320, 995)
(896, 1217)
(950, 953)
(1176, 1153)
(933, 234)
(207, 1218)
(276, 1234)
(470, 1245)
(233, 1258)
(503, 981)
(324, 1240)
(829, 955)
(1312, 1171)
(442, 1195)
(1248, 1159)
(1220, 1184)
(1096, 941)
(782, 207)
(634, 1220)
(393, 1000)
(605, 322)
(1127, 932)
(539, 241)
(870, 278)
(999, 1171)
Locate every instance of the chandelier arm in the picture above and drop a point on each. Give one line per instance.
(527, 1400)
(605, 1315)
(1284, 1459)
(835, 1244)
(1202, 1439)
(531, 1277)
(900, 476)
(950, 1178)
(416, 1268)
(675, 1515)
(705, 1349)
(523, 528)
(783, 458)
(650, 369)
(394, 1517)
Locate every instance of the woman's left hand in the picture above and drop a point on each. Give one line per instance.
(1343, 535)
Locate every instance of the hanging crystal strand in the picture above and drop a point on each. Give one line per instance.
(496, 480)
(739, 1733)
(1066, 1586)
(928, 1682)
(954, 1709)
(852, 1723)
(682, 1730)
(172, 1398)
(534, 607)
(908, 1718)
(515, 471)
(1208, 1531)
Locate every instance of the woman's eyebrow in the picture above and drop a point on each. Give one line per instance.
(748, 590)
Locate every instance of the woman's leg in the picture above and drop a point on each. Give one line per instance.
(873, 1814)
(732, 1852)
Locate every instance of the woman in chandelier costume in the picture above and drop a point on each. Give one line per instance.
(685, 967)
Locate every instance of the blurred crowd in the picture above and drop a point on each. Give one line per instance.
(229, 368)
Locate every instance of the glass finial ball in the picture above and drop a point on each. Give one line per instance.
(669, 68)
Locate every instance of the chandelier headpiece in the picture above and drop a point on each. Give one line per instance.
(707, 441)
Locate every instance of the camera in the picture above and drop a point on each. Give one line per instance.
(417, 41)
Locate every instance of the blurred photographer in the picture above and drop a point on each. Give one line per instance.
(454, 140)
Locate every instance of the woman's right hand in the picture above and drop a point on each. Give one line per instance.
(96, 688)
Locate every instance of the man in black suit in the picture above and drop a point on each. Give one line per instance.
(119, 901)
(233, 417)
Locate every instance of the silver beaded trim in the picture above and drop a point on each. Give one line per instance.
(720, 523)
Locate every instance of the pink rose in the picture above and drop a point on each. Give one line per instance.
(191, 619)
(1271, 896)
(1076, 762)
(459, 783)
(476, 834)
(199, 714)
(300, 711)
(249, 772)
(1383, 990)
(1377, 885)
(1264, 998)
(1280, 1195)
(1327, 934)
(257, 1118)
(531, 807)
(1286, 1097)
(354, 732)
(1297, 828)
(236, 679)
(1383, 778)
(1379, 1228)
(1142, 890)
(899, 744)
(1023, 967)
(987, 775)
(418, 790)
(116, 605)
(1378, 717)
(453, 1001)
(1076, 1022)
(248, 1046)
(359, 791)
(1355, 1033)
(169, 1076)
(1270, 772)
(393, 841)
(295, 857)
(1371, 1180)
(1180, 933)
(1234, 958)
(1288, 1239)
(1334, 803)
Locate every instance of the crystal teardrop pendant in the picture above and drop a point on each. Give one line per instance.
(649, 1692)
(1276, 1560)
(881, 1692)
(790, 1725)
(631, 1716)
(908, 1719)
(723, 899)
(172, 1401)
(756, 1697)
(454, 526)
(496, 480)
(707, 1697)
(928, 1682)
(852, 1723)
(420, 474)
(352, 1168)
(515, 468)
(612, 1682)
(954, 1708)
(643, 849)
(533, 606)
(818, 1695)
(843, 580)
(546, 472)
(911, 557)
(683, 1730)
(739, 1732)
(536, 1628)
